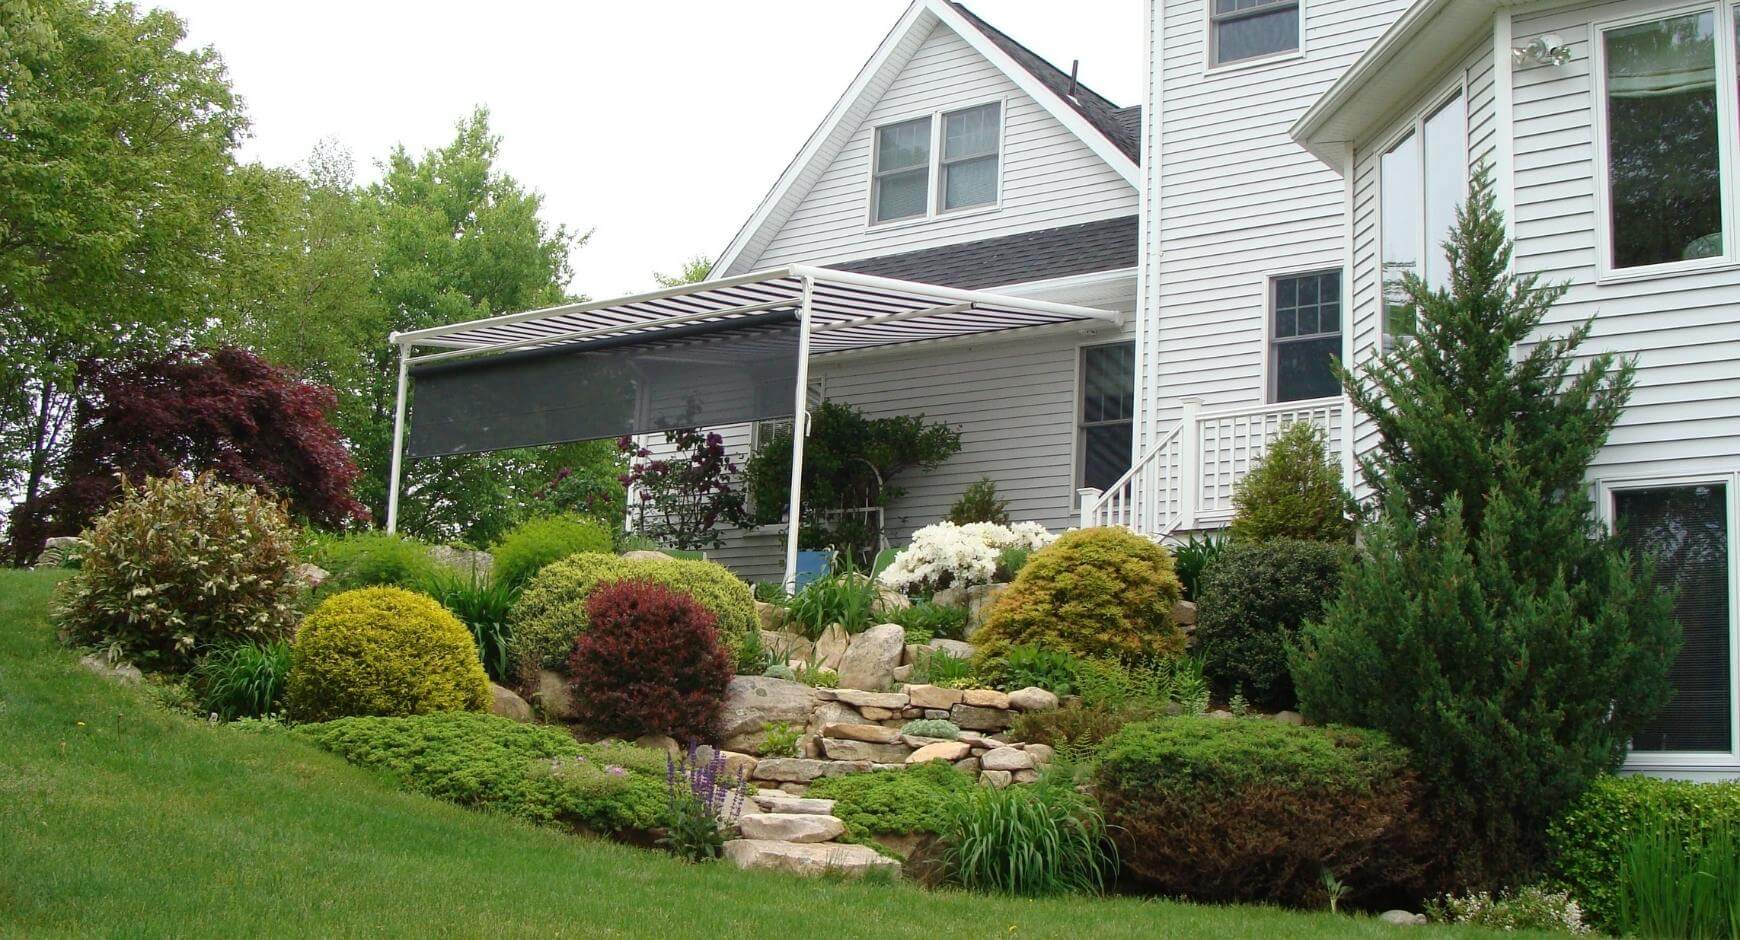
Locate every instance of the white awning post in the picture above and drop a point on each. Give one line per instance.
(800, 429)
(398, 437)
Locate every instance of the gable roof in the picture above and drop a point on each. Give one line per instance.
(1106, 245)
(1086, 114)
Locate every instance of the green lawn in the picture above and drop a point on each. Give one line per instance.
(119, 818)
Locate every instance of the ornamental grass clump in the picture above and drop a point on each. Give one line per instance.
(177, 566)
(242, 680)
(650, 663)
(1030, 841)
(383, 651)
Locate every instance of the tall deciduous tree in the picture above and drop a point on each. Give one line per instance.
(1490, 624)
(114, 194)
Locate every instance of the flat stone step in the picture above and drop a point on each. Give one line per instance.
(790, 827)
(807, 858)
(781, 803)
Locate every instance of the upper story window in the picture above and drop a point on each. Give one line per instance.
(959, 150)
(1422, 179)
(1667, 115)
(1251, 29)
(1305, 336)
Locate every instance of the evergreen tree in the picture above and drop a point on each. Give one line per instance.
(1294, 492)
(1490, 624)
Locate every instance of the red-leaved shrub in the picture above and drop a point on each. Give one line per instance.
(649, 663)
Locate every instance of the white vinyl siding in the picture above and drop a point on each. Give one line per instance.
(1048, 177)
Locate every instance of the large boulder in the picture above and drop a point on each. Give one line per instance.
(551, 694)
(870, 659)
(467, 561)
(823, 858)
(786, 647)
(754, 702)
(505, 703)
(56, 549)
(772, 616)
(831, 647)
(1032, 699)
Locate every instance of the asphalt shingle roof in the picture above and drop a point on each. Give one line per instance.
(1106, 245)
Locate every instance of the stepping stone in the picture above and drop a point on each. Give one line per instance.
(790, 827)
(780, 803)
(807, 858)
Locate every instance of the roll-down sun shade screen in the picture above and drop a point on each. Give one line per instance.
(704, 374)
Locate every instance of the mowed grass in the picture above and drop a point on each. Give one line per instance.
(118, 818)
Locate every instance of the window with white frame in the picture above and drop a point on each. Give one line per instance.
(1684, 528)
(1423, 177)
(1667, 112)
(1304, 335)
(960, 150)
(1239, 30)
(1108, 412)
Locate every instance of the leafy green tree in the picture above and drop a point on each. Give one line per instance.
(694, 271)
(115, 188)
(1490, 624)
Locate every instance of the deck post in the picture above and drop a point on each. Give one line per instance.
(1089, 496)
(800, 429)
(398, 436)
(1189, 463)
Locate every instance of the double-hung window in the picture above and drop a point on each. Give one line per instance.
(1239, 30)
(1108, 412)
(1666, 109)
(1423, 177)
(961, 151)
(1304, 336)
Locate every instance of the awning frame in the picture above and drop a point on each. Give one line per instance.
(860, 311)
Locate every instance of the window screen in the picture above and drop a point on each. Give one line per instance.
(902, 169)
(969, 157)
(1685, 529)
(1108, 410)
(1249, 29)
(1306, 336)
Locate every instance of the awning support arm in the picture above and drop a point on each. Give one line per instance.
(800, 429)
(398, 438)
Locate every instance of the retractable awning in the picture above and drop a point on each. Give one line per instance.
(718, 352)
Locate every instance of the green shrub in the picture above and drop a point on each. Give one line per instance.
(367, 559)
(847, 598)
(1255, 810)
(176, 566)
(1030, 841)
(551, 611)
(1193, 557)
(1531, 908)
(242, 680)
(532, 544)
(1294, 492)
(921, 799)
(1026, 665)
(1587, 843)
(1103, 592)
(535, 773)
(383, 651)
(483, 605)
(1254, 597)
(941, 667)
(781, 739)
(925, 621)
(979, 503)
(931, 728)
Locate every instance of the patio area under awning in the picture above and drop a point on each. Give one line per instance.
(714, 353)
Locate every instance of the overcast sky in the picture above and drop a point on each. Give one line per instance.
(658, 124)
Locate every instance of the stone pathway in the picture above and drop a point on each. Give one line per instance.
(798, 835)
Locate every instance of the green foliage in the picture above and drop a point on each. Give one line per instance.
(374, 557)
(551, 610)
(693, 271)
(846, 598)
(979, 503)
(242, 680)
(1254, 598)
(1103, 592)
(920, 799)
(770, 592)
(1010, 561)
(1529, 908)
(850, 462)
(383, 651)
(925, 621)
(1027, 665)
(1030, 841)
(1294, 492)
(1193, 557)
(1676, 885)
(1588, 842)
(589, 486)
(932, 728)
(780, 739)
(1251, 809)
(1485, 579)
(484, 605)
(941, 667)
(692, 831)
(532, 544)
(531, 772)
(178, 565)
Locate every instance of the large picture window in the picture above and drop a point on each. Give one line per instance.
(1108, 412)
(1663, 140)
(1685, 530)
(1239, 30)
(1423, 177)
(1305, 336)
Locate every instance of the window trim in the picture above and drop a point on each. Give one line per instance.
(1270, 339)
(1714, 762)
(1727, 126)
(877, 174)
(933, 194)
(1078, 425)
(1415, 125)
(1210, 43)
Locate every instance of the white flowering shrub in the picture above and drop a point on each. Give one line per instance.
(1531, 908)
(949, 555)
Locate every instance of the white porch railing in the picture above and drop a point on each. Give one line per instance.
(1186, 480)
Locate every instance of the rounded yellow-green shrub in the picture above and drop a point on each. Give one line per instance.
(383, 651)
(551, 610)
(1098, 593)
